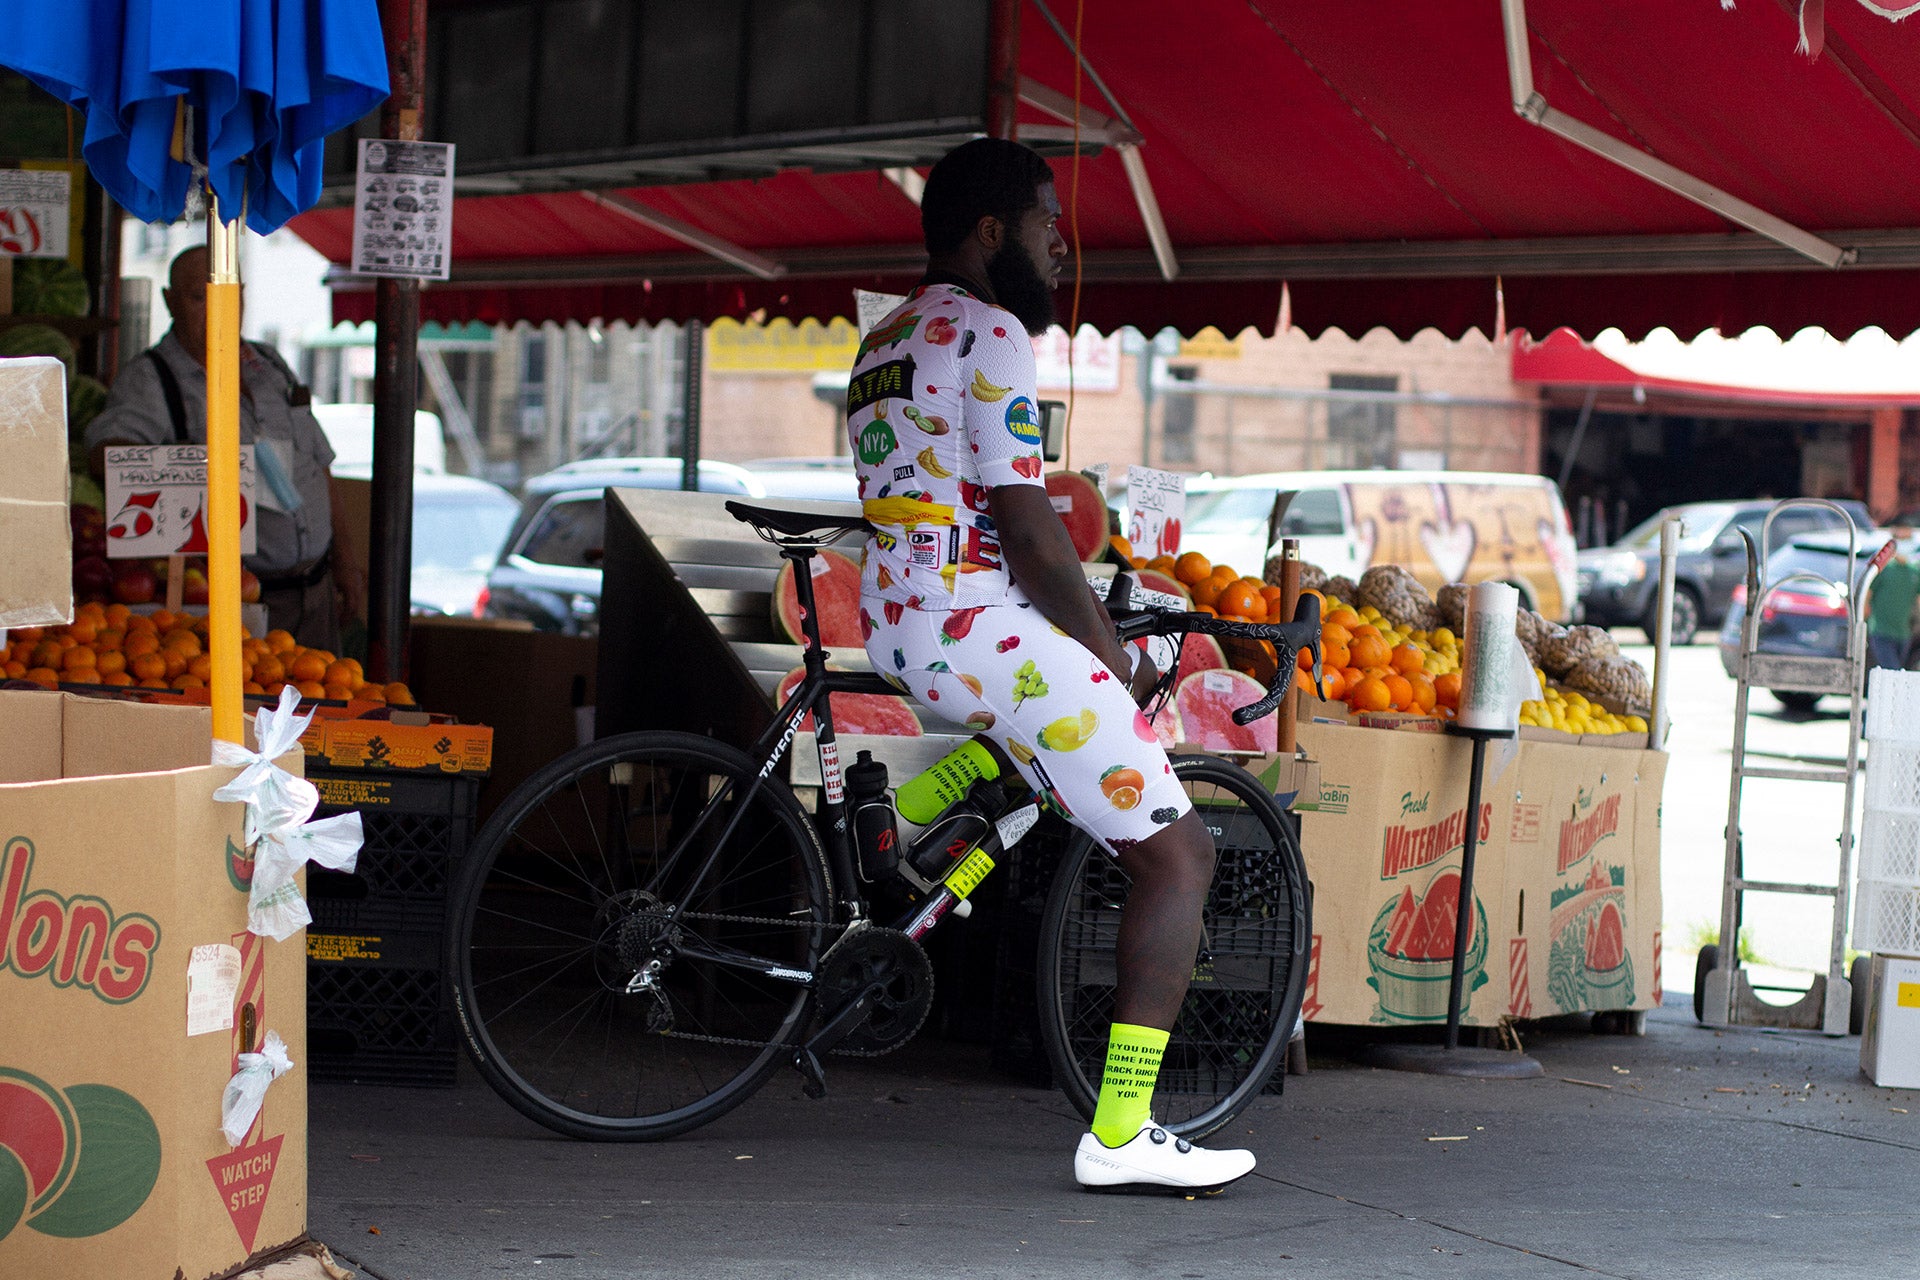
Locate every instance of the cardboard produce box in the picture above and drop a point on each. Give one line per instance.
(36, 571)
(1583, 879)
(128, 986)
(1566, 878)
(1890, 1044)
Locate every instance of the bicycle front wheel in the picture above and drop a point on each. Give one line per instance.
(1247, 979)
(630, 947)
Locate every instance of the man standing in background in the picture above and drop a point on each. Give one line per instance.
(1890, 604)
(307, 579)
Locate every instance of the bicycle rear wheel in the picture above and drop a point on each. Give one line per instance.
(1247, 981)
(566, 899)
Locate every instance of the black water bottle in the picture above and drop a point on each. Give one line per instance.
(875, 833)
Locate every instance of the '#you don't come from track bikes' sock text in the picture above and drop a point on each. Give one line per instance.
(1126, 1086)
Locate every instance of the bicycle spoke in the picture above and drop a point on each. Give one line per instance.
(583, 898)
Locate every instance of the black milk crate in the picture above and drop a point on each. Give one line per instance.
(417, 828)
(380, 1009)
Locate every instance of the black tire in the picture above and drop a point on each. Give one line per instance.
(560, 901)
(1686, 616)
(1234, 1027)
(1798, 703)
(1859, 975)
(1707, 961)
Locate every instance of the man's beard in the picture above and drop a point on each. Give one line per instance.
(1020, 288)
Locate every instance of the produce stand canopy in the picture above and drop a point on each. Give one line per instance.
(1370, 161)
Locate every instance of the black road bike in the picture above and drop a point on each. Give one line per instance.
(652, 923)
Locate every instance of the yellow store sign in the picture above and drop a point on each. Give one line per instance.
(782, 346)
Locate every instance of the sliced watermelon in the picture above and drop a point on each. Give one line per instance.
(1207, 701)
(1168, 730)
(1200, 653)
(1406, 914)
(836, 593)
(1432, 934)
(869, 713)
(1606, 941)
(1082, 509)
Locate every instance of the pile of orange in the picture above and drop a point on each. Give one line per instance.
(1217, 588)
(1373, 666)
(109, 644)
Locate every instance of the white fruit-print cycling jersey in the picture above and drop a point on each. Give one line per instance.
(941, 406)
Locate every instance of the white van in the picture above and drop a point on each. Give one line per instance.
(349, 429)
(1445, 526)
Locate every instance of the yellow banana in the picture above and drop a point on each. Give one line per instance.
(984, 390)
(931, 465)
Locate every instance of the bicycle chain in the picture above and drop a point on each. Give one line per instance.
(737, 1041)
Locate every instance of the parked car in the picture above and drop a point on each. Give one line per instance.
(817, 479)
(349, 430)
(459, 526)
(1445, 526)
(549, 570)
(1619, 584)
(1805, 618)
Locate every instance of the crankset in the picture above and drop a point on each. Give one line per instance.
(893, 971)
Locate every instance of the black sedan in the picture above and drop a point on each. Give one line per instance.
(1804, 618)
(1619, 584)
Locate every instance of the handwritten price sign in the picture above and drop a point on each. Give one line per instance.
(1156, 503)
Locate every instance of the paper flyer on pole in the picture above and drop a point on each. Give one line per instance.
(1156, 503)
(403, 209)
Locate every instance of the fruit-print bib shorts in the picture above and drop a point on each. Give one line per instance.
(941, 408)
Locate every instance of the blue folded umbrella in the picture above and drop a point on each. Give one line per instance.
(267, 81)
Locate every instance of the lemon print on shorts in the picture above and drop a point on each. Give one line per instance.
(1070, 733)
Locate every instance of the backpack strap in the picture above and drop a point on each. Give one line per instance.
(170, 388)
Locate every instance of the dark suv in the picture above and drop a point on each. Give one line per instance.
(1619, 584)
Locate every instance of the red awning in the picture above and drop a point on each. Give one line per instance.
(1770, 374)
(1369, 158)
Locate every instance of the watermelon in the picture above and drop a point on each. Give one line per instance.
(49, 287)
(869, 713)
(1200, 653)
(1207, 700)
(1167, 728)
(1154, 580)
(14, 1191)
(118, 1166)
(1406, 914)
(37, 340)
(836, 592)
(1428, 934)
(37, 1125)
(1606, 941)
(1082, 509)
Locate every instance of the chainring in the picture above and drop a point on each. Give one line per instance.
(869, 955)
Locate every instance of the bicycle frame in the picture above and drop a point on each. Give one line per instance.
(813, 695)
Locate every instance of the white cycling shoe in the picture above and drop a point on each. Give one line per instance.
(1157, 1161)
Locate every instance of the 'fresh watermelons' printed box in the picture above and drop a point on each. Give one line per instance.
(120, 874)
(1566, 880)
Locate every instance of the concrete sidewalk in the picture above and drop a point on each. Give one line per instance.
(1687, 1153)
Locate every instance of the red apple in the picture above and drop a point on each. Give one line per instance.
(249, 587)
(193, 585)
(92, 578)
(134, 582)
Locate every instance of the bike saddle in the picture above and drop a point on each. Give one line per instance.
(802, 523)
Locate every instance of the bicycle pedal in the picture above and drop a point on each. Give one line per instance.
(813, 1075)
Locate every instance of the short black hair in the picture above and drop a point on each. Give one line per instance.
(988, 177)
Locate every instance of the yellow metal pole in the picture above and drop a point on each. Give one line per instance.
(223, 472)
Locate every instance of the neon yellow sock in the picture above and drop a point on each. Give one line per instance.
(1126, 1087)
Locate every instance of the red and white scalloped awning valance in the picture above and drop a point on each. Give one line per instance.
(1635, 164)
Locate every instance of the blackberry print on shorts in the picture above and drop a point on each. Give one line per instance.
(1066, 721)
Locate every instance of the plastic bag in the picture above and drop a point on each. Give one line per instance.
(275, 908)
(275, 799)
(245, 1093)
